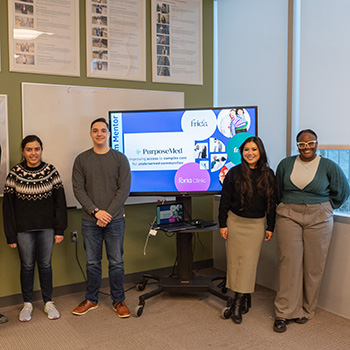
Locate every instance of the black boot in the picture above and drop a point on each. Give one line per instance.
(237, 308)
(247, 303)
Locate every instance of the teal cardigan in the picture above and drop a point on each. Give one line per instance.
(329, 184)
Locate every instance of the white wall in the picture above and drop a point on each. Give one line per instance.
(335, 288)
(325, 69)
(252, 65)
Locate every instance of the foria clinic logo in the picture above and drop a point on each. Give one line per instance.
(191, 178)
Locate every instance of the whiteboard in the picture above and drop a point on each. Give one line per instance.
(61, 115)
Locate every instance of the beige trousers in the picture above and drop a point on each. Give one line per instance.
(303, 234)
(243, 244)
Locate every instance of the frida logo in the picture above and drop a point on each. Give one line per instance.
(195, 123)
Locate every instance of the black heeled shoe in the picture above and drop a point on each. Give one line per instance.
(247, 303)
(237, 308)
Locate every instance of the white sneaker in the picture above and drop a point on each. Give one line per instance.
(26, 313)
(52, 312)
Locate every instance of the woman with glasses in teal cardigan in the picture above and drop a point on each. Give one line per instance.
(309, 188)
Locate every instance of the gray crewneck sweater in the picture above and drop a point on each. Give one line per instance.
(101, 181)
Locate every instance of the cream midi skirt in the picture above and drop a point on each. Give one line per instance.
(243, 244)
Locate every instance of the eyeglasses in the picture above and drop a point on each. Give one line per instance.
(311, 144)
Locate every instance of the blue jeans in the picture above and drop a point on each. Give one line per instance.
(36, 246)
(93, 236)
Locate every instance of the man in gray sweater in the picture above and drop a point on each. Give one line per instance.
(101, 184)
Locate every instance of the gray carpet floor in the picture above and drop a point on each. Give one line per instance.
(169, 321)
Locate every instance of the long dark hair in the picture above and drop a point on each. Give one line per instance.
(266, 183)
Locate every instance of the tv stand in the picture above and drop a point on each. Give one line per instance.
(185, 281)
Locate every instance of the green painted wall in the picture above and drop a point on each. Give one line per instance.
(161, 251)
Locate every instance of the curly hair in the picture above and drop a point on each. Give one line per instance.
(306, 131)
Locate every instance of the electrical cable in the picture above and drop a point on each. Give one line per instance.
(197, 237)
(77, 258)
(173, 271)
(202, 245)
(81, 269)
(151, 232)
(170, 235)
(145, 246)
(83, 273)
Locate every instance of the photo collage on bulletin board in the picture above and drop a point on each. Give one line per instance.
(116, 37)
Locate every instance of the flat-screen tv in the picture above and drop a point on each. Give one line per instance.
(181, 152)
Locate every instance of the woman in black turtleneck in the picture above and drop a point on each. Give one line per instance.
(246, 218)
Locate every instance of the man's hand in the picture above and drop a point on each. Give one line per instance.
(103, 218)
(100, 223)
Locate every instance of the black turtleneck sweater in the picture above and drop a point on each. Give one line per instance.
(257, 208)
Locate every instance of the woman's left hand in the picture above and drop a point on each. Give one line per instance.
(224, 232)
(268, 235)
(58, 238)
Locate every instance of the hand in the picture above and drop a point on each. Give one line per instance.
(268, 235)
(104, 217)
(224, 232)
(101, 223)
(13, 245)
(58, 238)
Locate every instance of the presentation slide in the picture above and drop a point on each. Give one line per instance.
(187, 150)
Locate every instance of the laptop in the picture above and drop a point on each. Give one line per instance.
(170, 217)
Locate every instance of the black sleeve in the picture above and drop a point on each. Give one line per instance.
(225, 200)
(60, 218)
(8, 210)
(271, 210)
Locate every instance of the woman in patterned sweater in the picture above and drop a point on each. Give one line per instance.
(35, 217)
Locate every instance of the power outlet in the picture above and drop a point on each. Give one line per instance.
(74, 236)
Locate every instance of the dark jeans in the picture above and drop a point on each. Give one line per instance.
(36, 246)
(93, 236)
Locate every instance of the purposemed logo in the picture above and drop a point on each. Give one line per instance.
(117, 128)
(190, 177)
(170, 150)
